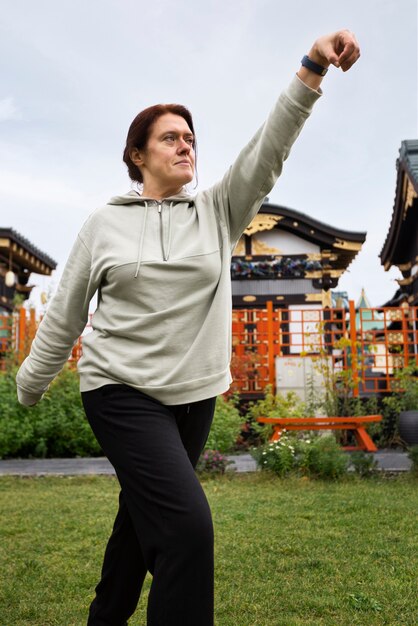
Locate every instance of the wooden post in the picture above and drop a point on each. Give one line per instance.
(32, 324)
(404, 308)
(270, 339)
(22, 334)
(353, 339)
(388, 356)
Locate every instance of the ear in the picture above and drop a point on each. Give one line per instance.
(136, 157)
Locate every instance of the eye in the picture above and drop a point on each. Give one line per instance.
(190, 141)
(169, 138)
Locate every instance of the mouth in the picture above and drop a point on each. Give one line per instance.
(183, 163)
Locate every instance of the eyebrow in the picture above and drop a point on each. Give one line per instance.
(175, 132)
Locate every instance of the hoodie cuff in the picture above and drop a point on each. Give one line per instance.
(301, 95)
(27, 398)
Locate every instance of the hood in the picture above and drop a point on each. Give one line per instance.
(165, 209)
(134, 197)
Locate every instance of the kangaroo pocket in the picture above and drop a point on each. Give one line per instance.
(167, 326)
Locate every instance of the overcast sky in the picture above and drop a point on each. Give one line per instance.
(75, 73)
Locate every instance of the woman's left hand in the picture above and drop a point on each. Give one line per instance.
(340, 49)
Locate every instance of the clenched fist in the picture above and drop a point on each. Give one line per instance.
(340, 49)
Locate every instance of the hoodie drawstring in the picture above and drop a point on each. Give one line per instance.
(141, 241)
(169, 231)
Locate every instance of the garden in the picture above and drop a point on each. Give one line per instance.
(313, 537)
(288, 551)
(57, 427)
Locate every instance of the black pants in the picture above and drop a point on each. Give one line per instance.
(164, 523)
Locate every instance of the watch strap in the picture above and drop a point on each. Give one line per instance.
(314, 67)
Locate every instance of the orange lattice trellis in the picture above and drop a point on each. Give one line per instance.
(372, 343)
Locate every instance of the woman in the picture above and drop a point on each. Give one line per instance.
(160, 347)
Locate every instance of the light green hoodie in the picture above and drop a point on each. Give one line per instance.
(162, 271)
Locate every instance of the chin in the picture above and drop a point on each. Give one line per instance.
(185, 180)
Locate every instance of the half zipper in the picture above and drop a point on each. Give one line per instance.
(165, 248)
(165, 240)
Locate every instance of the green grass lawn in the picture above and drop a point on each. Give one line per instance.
(288, 552)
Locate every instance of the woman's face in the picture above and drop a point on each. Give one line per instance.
(169, 158)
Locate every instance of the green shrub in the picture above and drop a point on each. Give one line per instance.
(281, 457)
(323, 458)
(390, 412)
(226, 425)
(364, 464)
(279, 405)
(212, 462)
(316, 457)
(413, 455)
(55, 427)
(16, 428)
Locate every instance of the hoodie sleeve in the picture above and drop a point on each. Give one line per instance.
(239, 195)
(60, 328)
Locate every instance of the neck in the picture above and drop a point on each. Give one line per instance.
(159, 193)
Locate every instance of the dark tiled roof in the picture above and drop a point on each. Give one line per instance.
(344, 244)
(319, 227)
(409, 155)
(396, 299)
(12, 234)
(407, 165)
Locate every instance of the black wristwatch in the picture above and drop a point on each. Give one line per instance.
(314, 67)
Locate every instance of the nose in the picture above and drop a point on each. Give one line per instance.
(183, 147)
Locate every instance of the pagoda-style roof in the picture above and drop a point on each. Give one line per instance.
(20, 256)
(301, 261)
(367, 318)
(400, 247)
(338, 247)
(25, 256)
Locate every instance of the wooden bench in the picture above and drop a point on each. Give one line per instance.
(356, 424)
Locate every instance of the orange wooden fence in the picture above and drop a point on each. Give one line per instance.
(371, 343)
(16, 334)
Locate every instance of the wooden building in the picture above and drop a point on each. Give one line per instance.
(290, 258)
(18, 259)
(401, 245)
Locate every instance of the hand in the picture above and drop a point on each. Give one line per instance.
(340, 49)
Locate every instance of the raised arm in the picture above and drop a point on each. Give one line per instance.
(239, 195)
